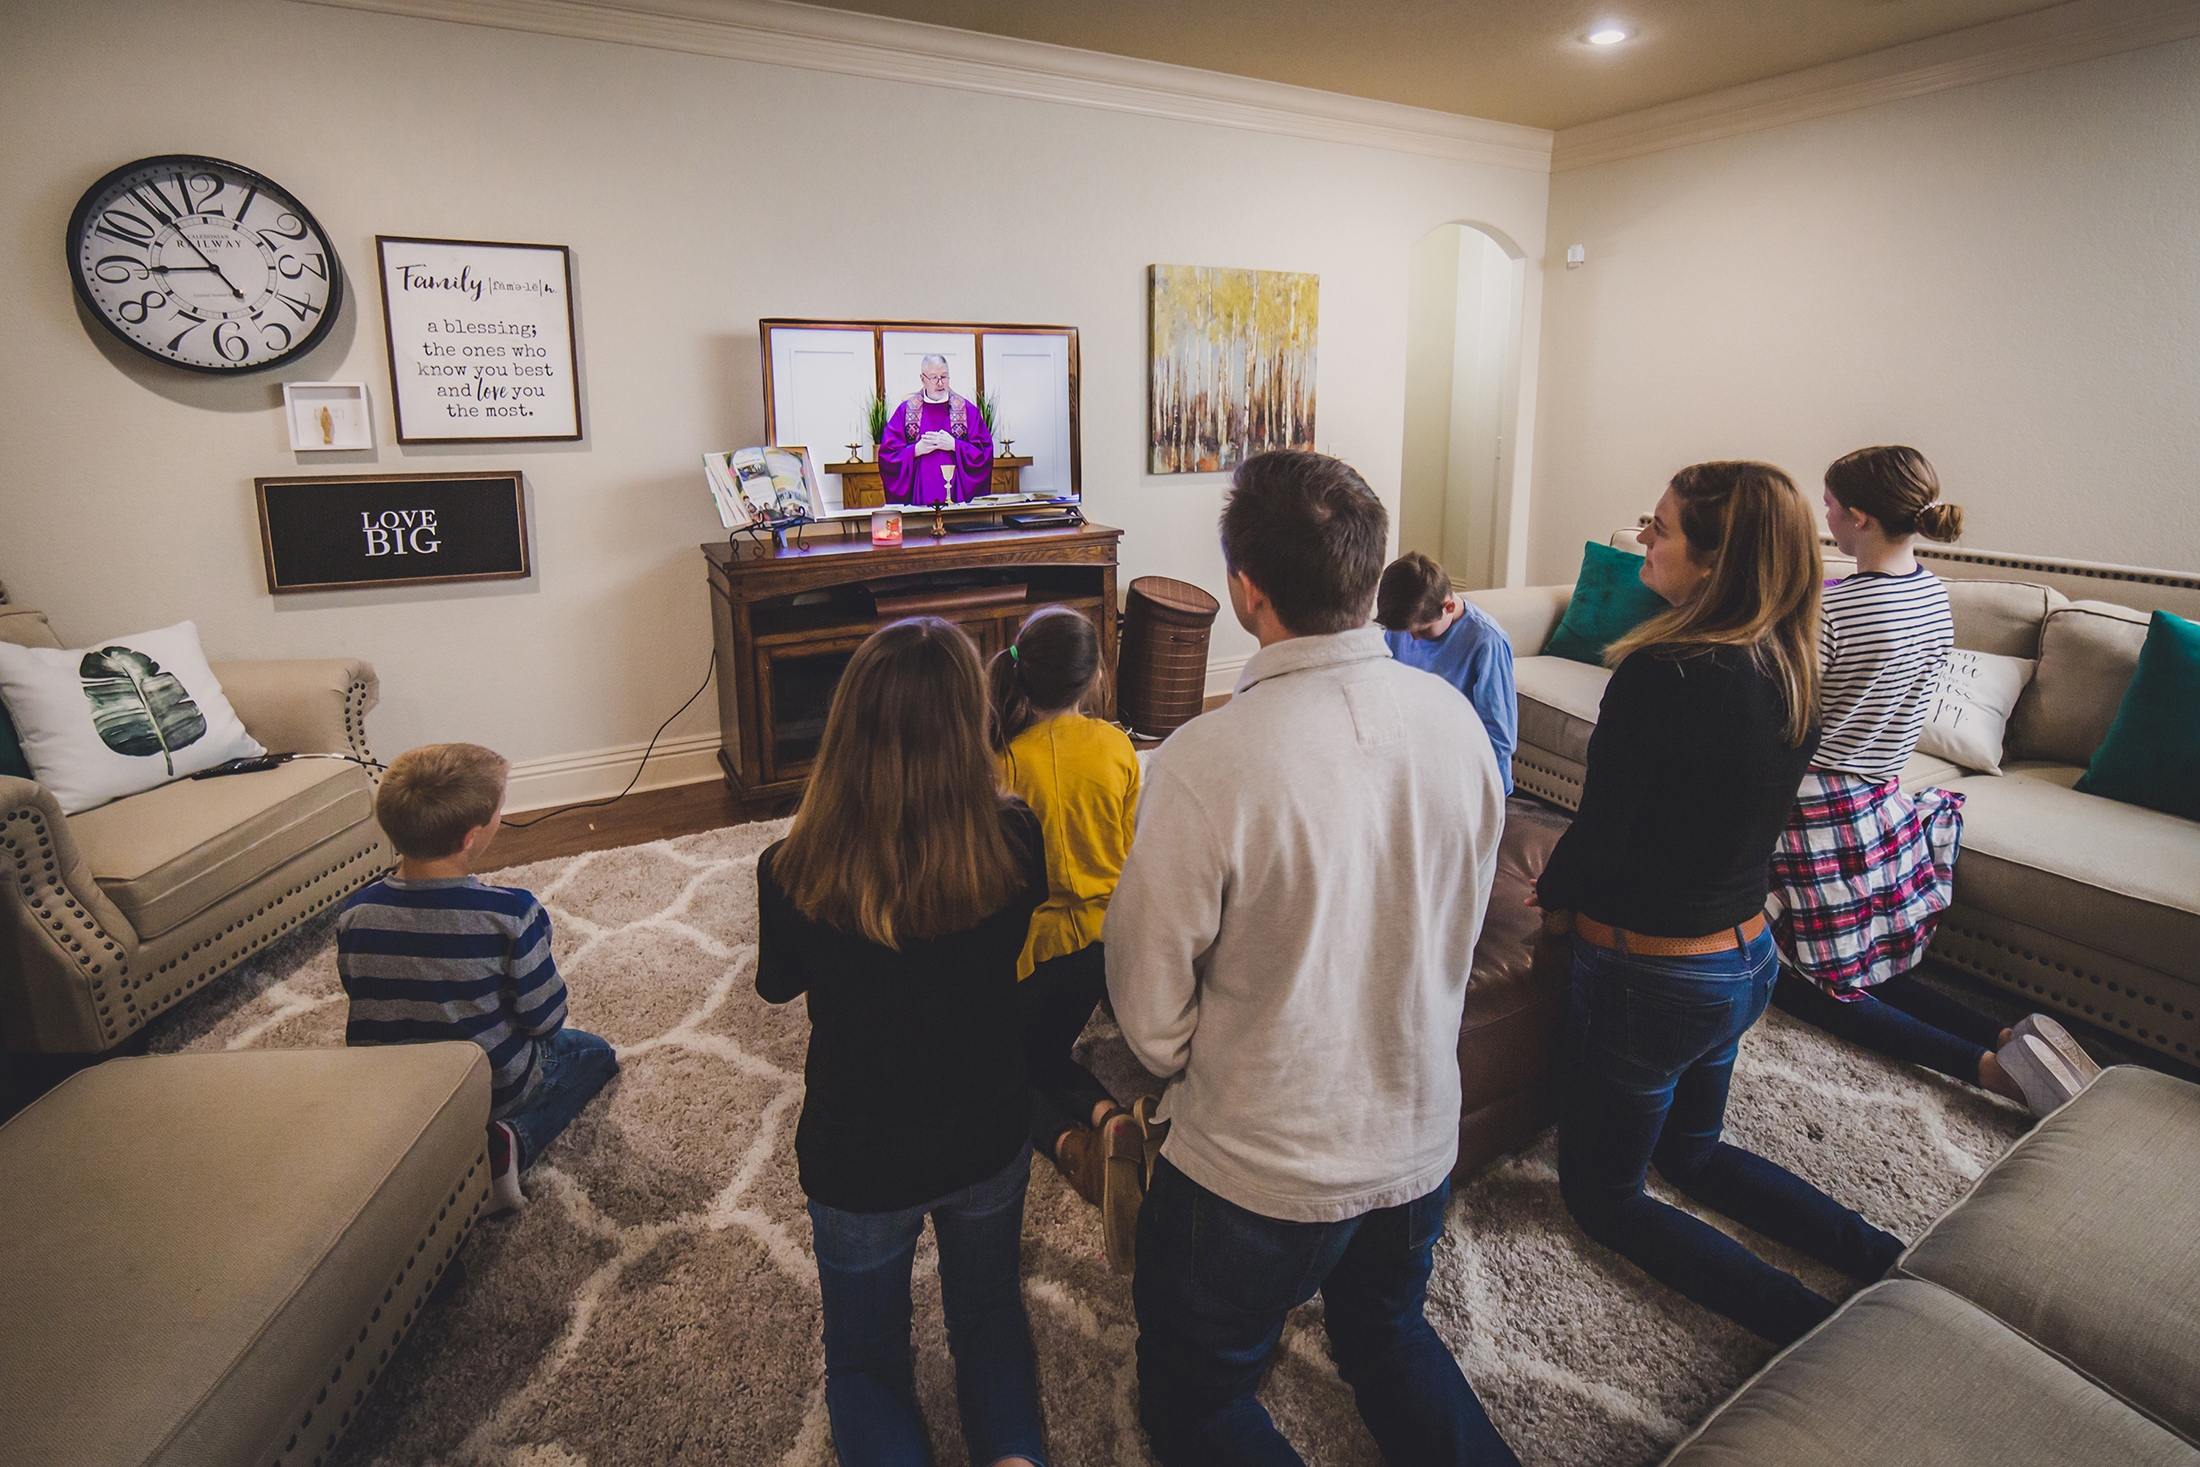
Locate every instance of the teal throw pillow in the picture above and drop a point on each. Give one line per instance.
(1609, 601)
(11, 748)
(2151, 756)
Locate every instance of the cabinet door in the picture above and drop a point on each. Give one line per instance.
(794, 685)
(988, 634)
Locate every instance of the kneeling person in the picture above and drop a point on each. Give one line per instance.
(1289, 947)
(435, 953)
(1432, 627)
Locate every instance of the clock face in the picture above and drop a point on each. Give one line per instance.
(204, 264)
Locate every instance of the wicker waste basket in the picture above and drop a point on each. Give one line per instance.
(1162, 673)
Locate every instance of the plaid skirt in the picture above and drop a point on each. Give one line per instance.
(1860, 878)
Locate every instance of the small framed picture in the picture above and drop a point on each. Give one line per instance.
(325, 416)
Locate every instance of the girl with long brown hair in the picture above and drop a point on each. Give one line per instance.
(1706, 727)
(899, 903)
(1864, 869)
(1079, 775)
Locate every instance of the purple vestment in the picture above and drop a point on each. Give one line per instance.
(914, 478)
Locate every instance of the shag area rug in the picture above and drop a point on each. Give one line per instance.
(656, 1302)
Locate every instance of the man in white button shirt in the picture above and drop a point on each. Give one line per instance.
(1289, 948)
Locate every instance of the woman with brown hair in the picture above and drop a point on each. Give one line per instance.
(899, 903)
(1706, 727)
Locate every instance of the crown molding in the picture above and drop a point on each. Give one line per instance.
(780, 33)
(2080, 31)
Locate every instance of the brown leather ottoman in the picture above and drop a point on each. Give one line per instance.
(1515, 1020)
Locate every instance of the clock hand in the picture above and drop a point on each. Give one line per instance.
(181, 269)
(211, 265)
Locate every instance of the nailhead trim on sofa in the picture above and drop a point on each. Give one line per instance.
(320, 1441)
(2164, 1024)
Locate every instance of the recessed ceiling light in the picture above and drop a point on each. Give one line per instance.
(1609, 36)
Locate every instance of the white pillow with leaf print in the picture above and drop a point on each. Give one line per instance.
(133, 712)
(1968, 710)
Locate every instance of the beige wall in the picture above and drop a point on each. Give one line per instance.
(2006, 276)
(697, 195)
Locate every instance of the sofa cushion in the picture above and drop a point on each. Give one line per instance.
(2114, 877)
(1609, 600)
(101, 722)
(1926, 772)
(1558, 701)
(2088, 652)
(2085, 1239)
(26, 628)
(1514, 1017)
(1910, 1375)
(2151, 756)
(164, 856)
(191, 1246)
(2001, 617)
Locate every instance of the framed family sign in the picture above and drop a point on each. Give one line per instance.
(481, 340)
(351, 532)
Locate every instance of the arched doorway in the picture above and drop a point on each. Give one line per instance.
(1465, 288)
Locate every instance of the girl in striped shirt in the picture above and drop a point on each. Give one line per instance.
(1863, 871)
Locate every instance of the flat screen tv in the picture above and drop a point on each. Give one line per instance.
(826, 381)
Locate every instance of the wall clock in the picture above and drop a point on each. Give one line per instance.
(203, 264)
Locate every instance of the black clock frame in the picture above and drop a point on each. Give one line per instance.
(80, 218)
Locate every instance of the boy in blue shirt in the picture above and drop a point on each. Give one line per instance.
(1432, 627)
(435, 953)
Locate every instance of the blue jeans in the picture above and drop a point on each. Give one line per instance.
(863, 1261)
(1214, 1282)
(1900, 1018)
(575, 1065)
(1652, 1043)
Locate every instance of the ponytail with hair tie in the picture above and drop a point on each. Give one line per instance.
(1062, 672)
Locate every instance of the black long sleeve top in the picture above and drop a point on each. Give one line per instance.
(1690, 780)
(916, 1083)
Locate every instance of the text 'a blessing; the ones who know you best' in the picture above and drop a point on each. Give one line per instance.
(486, 378)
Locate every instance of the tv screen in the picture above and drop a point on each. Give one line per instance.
(972, 412)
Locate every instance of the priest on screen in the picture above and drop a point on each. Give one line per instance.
(936, 448)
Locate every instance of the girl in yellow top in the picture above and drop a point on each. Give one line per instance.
(1080, 776)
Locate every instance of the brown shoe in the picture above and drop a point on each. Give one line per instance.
(1077, 1155)
(1123, 1189)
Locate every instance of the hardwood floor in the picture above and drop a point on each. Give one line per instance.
(685, 809)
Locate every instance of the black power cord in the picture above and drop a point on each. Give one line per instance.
(622, 794)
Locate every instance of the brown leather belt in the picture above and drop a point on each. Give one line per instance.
(1596, 934)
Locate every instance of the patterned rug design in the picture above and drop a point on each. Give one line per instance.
(656, 1302)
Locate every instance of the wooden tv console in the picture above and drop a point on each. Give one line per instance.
(786, 620)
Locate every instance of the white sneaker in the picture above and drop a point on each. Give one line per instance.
(2057, 1038)
(504, 1192)
(2047, 1081)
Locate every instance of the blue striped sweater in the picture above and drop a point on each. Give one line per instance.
(453, 959)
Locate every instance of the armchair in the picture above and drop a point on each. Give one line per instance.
(111, 915)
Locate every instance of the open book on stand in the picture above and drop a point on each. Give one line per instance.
(760, 486)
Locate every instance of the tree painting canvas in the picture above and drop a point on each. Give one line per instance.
(1233, 365)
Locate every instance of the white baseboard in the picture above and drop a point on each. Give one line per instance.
(1222, 674)
(598, 774)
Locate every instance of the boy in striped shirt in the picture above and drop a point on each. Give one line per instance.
(435, 953)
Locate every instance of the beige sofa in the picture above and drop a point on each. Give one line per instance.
(211, 1258)
(2075, 902)
(111, 915)
(2053, 1316)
